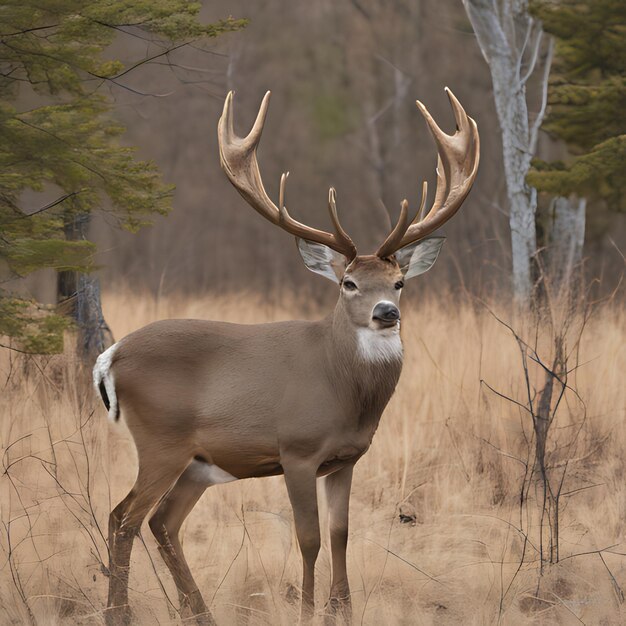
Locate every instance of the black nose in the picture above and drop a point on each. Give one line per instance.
(386, 312)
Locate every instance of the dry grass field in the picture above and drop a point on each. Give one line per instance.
(451, 455)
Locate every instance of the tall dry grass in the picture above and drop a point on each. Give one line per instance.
(450, 456)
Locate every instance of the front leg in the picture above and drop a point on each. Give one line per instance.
(338, 498)
(300, 476)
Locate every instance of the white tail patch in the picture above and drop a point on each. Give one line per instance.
(379, 346)
(208, 474)
(102, 374)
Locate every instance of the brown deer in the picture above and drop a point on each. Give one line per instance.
(212, 402)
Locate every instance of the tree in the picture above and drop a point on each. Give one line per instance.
(512, 41)
(51, 54)
(587, 99)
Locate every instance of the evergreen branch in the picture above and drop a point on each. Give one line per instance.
(52, 204)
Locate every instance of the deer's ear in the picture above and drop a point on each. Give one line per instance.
(419, 257)
(322, 260)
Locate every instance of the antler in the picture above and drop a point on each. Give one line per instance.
(238, 159)
(457, 166)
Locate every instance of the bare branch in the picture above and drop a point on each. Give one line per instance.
(534, 56)
(534, 133)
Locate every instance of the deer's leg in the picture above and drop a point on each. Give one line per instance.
(156, 475)
(301, 479)
(165, 525)
(338, 497)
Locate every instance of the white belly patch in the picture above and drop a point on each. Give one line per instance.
(208, 474)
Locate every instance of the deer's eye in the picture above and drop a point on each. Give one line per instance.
(399, 284)
(348, 285)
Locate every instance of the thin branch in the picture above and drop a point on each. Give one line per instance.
(29, 30)
(573, 491)
(502, 452)
(618, 590)
(607, 549)
(388, 551)
(505, 397)
(3, 345)
(534, 133)
(53, 204)
(534, 56)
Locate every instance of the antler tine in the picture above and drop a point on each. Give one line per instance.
(422, 202)
(341, 234)
(239, 162)
(254, 136)
(341, 240)
(392, 243)
(225, 124)
(460, 115)
(281, 192)
(457, 166)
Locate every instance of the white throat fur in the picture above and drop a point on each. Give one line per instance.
(379, 346)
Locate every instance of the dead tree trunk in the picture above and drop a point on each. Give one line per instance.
(542, 421)
(511, 41)
(564, 245)
(78, 296)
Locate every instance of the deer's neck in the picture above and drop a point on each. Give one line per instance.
(365, 366)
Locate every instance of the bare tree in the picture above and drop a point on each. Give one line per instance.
(512, 42)
(556, 411)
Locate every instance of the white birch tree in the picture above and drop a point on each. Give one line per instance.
(512, 42)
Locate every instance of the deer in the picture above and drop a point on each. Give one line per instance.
(211, 402)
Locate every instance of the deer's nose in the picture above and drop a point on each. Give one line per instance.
(386, 312)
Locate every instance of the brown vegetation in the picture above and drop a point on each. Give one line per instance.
(450, 459)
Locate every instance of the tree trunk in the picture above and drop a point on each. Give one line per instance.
(78, 296)
(564, 241)
(510, 41)
(523, 206)
(510, 100)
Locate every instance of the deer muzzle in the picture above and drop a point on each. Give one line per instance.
(386, 314)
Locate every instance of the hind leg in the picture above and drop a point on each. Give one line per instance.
(156, 475)
(165, 525)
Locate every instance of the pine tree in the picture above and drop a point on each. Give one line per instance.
(587, 99)
(52, 51)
